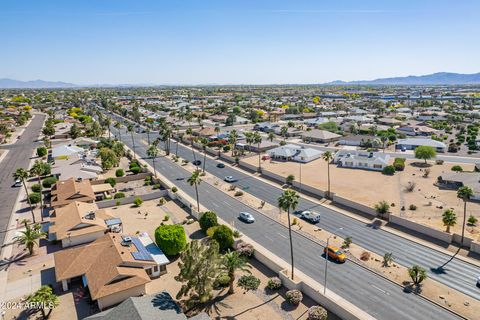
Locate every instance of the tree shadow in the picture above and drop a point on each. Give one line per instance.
(197, 235)
(248, 309)
(17, 259)
(441, 269)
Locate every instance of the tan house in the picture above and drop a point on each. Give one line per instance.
(70, 190)
(79, 223)
(113, 267)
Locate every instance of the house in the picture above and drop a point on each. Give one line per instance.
(264, 146)
(455, 180)
(417, 130)
(360, 140)
(361, 159)
(113, 268)
(389, 122)
(291, 152)
(65, 150)
(315, 122)
(76, 166)
(412, 143)
(79, 223)
(206, 132)
(291, 131)
(321, 136)
(265, 126)
(160, 306)
(84, 142)
(70, 190)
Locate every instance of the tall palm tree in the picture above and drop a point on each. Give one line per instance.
(232, 139)
(40, 169)
(204, 142)
(108, 122)
(118, 126)
(29, 238)
(257, 138)
(286, 202)
(22, 175)
(464, 193)
(152, 152)
(233, 261)
(166, 134)
(130, 129)
(44, 298)
(148, 135)
(284, 132)
(327, 156)
(195, 180)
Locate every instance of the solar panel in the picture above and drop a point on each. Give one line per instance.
(112, 222)
(142, 253)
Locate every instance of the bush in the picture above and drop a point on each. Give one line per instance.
(365, 256)
(34, 197)
(222, 281)
(224, 236)
(118, 202)
(166, 218)
(389, 170)
(472, 220)
(412, 207)
(171, 239)
(238, 193)
(111, 181)
(48, 182)
(211, 231)
(274, 283)
(208, 220)
(134, 163)
(294, 296)
(248, 282)
(382, 207)
(138, 202)
(317, 313)
(119, 173)
(42, 151)
(174, 189)
(399, 164)
(156, 186)
(36, 188)
(135, 170)
(245, 249)
(119, 195)
(457, 168)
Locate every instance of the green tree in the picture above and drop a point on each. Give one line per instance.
(40, 169)
(111, 181)
(472, 220)
(22, 175)
(425, 153)
(199, 266)
(382, 207)
(449, 219)
(286, 202)
(224, 236)
(195, 180)
(171, 239)
(417, 274)
(257, 138)
(44, 298)
(42, 151)
(464, 193)
(137, 202)
(233, 261)
(271, 136)
(232, 140)
(109, 158)
(75, 131)
(327, 156)
(208, 220)
(152, 152)
(30, 236)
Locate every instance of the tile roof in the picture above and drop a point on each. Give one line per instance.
(67, 191)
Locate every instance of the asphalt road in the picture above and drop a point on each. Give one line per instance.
(18, 157)
(372, 293)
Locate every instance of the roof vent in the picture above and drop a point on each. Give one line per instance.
(90, 215)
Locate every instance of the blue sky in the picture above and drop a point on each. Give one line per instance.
(235, 41)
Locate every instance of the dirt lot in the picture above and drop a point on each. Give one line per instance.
(370, 187)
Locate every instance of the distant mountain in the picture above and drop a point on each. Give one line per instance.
(438, 78)
(34, 84)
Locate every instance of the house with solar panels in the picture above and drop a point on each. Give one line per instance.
(113, 268)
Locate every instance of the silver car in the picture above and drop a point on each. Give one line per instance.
(247, 217)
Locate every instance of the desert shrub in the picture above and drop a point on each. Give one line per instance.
(162, 201)
(248, 282)
(36, 188)
(138, 202)
(472, 220)
(119, 173)
(119, 195)
(274, 283)
(238, 193)
(211, 231)
(171, 239)
(457, 168)
(317, 313)
(399, 164)
(34, 197)
(382, 207)
(410, 186)
(118, 202)
(222, 281)
(389, 170)
(174, 189)
(365, 256)
(134, 163)
(49, 182)
(245, 249)
(42, 151)
(412, 207)
(224, 236)
(294, 296)
(166, 218)
(111, 181)
(208, 220)
(156, 186)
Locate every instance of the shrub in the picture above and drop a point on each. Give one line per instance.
(138, 202)
(388, 170)
(208, 220)
(119, 173)
(134, 163)
(365, 256)
(238, 193)
(412, 207)
(317, 313)
(410, 186)
(224, 236)
(48, 182)
(174, 189)
(399, 164)
(236, 234)
(162, 201)
(119, 195)
(222, 281)
(135, 170)
(294, 296)
(382, 207)
(274, 283)
(211, 231)
(118, 202)
(42, 151)
(171, 239)
(34, 197)
(36, 188)
(245, 249)
(347, 242)
(111, 181)
(472, 220)
(248, 282)
(457, 168)
(156, 186)
(166, 218)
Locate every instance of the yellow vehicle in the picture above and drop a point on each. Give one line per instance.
(335, 253)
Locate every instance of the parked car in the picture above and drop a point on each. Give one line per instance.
(18, 183)
(220, 165)
(311, 216)
(197, 162)
(230, 179)
(247, 217)
(335, 254)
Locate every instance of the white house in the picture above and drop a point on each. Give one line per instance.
(361, 159)
(291, 152)
(412, 143)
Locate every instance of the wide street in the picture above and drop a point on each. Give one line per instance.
(374, 294)
(18, 157)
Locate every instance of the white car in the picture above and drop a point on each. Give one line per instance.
(230, 179)
(18, 183)
(478, 281)
(313, 217)
(247, 217)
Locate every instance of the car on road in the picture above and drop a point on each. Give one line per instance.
(478, 281)
(197, 162)
(230, 179)
(311, 216)
(220, 165)
(335, 253)
(18, 183)
(247, 217)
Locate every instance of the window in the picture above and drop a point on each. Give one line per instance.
(377, 166)
(155, 269)
(149, 271)
(163, 268)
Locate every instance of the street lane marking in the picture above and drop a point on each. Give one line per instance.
(281, 235)
(380, 289)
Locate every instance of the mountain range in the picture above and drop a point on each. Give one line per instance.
(439, 78)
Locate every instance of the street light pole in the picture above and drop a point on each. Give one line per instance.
(326, 260)
(300, 187)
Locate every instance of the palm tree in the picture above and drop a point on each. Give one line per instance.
(233, 261)
(284, 132)
(40, 169)
(118, 126)
(449, 219)
(152, 152)
(417, 274)
(327, 156)
(130, 129)
(29, 238)
(257, 138)
(177, 128)
(204, 142)
(195, 180)
(271, 136)
(44, 298)
(22, 175)
(108, 122)
(148, 135)
(232, 139)
(166, 134)
(286, 202)
(464, 193)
